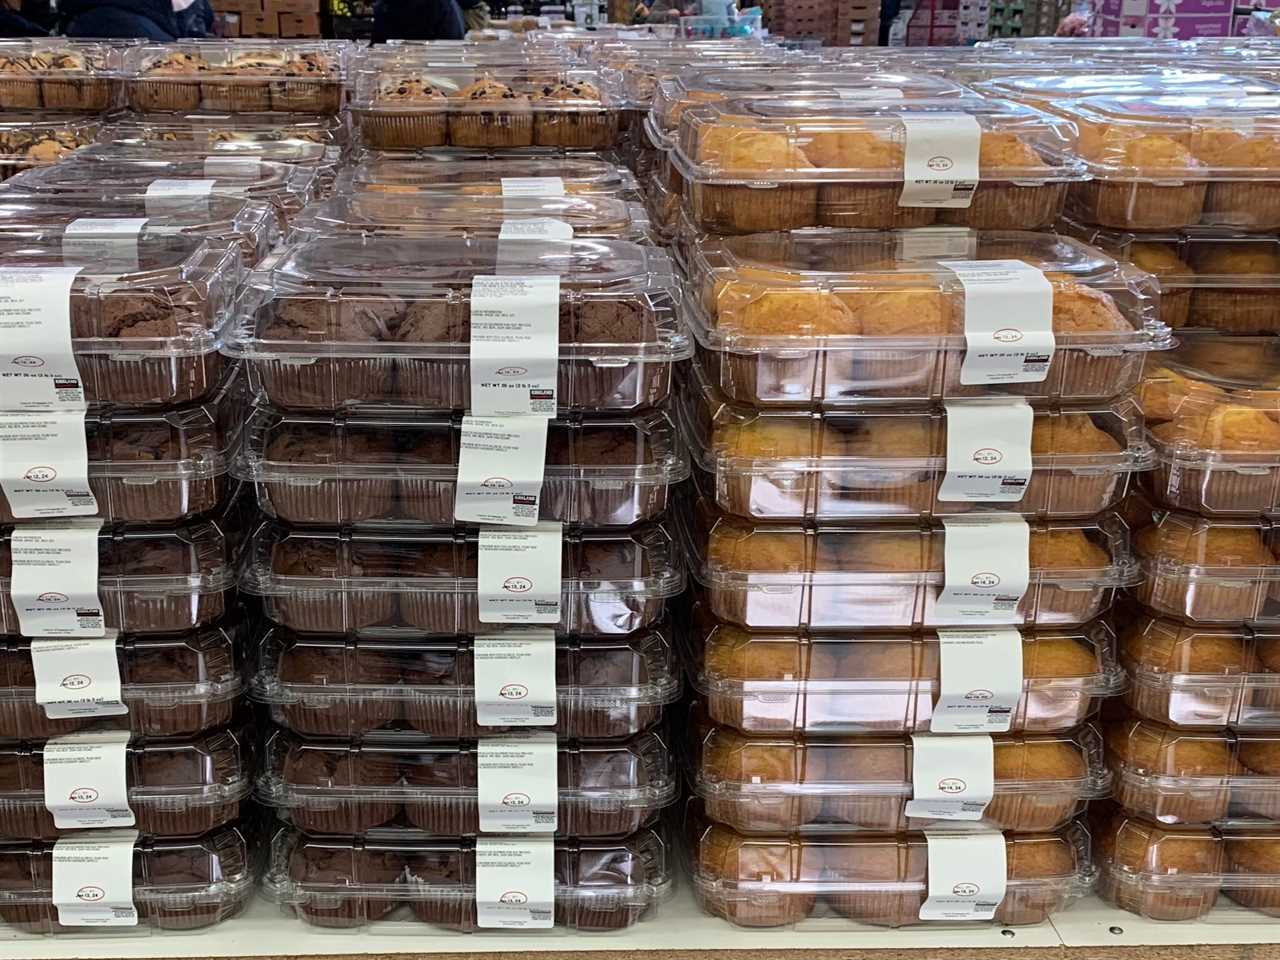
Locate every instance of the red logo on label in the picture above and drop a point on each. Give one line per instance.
(987, 456)
(52, 596)
(27, 361)
(514, 897)
(979, 695)
(83, 795)
(495, 482)
(1007, 335)
(90, 893)
(514, 691)
(517, 584)
(965, 889)
(985, 580)
(516, 800)
(40, 474)
(952, 785)
(76, 681)
(939, 164)
(511, 371)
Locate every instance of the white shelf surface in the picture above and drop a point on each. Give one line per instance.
(680, 926)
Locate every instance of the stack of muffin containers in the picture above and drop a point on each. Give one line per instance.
(907, 444)
(462, 450)
(1185, 184)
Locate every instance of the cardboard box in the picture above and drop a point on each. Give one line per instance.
(237, 6)
(1165, 8)
(259, 25)
(227, 24)
(1170, 28)
(279, 7)
(299, 25)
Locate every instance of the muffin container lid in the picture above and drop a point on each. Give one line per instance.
(57, 57)
(1056, 86)
(1206, 551)
(211, 672)
(176, 873)
(130, 179)
(637, 773)
(236, 59)
(792, 124)
(420, 215)
(482, 173)
(412, 445)
(195, 558)
(879, 767)
(212, 769)
(1157, 653)
(817, 549)
(22, 213)
(639, 563)
(1175, 780)
(235, 153)
(541, 84)
(638, 669)
(205, 128)
(39, 139)
(607, 873)
(1217, 842)
(729, 439)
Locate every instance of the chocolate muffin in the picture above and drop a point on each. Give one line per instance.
(335, 780)
(332, 863)
(316, 610)
(331, 502)
(308, 666)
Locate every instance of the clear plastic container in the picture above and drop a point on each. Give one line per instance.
(179, 883)
(1045, 89)
(338, 322)
(779, 164)
(1209, 571)
(238, 76)
(1163, 162)
(403, 466)
(346, 685)
(175, 787)
(605, 789)
(174, 685)
(161, 466)
(334, 582)
(1183, 873)
(474, 172)
(882, 880)
(347, 882)
(1210, 278)
(209, 129)
(145, 329)
(881, 683)
(250, 225)
(787, 785)
(830, 467)
(804, 577)
(1178, 776)
(151, 579)
(714, 84)
(405, 101)
(422, 215)
(31, 140)
(830, 318)
(285, 188)
(56, 73)
(228, 153)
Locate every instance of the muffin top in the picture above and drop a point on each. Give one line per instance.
(1242, 259)
(738, 149)
(1165, 646)
(1006, 150)
(178, 62)
(1150, 153)
(488, 89)
(410, 89)
(1160, 259)
(1226, 427)
(1185, 539)
(853, 150)
(1071, 433)
(1078, 308)
(1138, 846)
(1231, 149)
(568, 90)
(1156, 749)
(1165, 394)
(257, 63)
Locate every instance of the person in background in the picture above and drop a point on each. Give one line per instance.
(417, 20)
(141, 19)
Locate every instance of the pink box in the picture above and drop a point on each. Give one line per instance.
(1180, 27)
(1166, 8)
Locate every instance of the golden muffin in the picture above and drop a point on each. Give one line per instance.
(732, 208)
(1135, 855)
(1141, 752)
(856, 150)
(1070, 433)
(737, 546)
(1078, 308)
(1162, 261)
(1164, 394)
(910, 305)
(726, 859)
(1238, 307)
(736, 762)
(768, 438)
(1058, 764)
(761, 302)
(1007, 151)
(1225, 427)
(893, 437)
(1257, 856)
(1188, 540)
(1152, 183)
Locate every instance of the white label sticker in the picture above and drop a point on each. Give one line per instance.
(85, 780)
(515, 883)
(987, 567)
(515, 678)
(868, 93)
(981, 680)
(110, 243)
(169, 196)
(93, 879)
(515, 346)
(241, 168)
(937, 243)
(966, 875)
(952, 777)
(1008, 321)
(988, 452)
(77, 678)
(500, 465)
(519, 574)
(54, 584)
(533, 187)
(44, 465)
(940, 160)
(37, 365)
(535, 228)
(517, 783)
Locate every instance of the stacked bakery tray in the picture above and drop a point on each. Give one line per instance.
(122, 745)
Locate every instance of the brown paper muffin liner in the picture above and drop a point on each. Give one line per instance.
(573, 501)
(236, 96)
(405, 131)
(332, 502)
(591, 913)
(1138, 206)
(822, 375)
(1220, 490)
(326, 384)
(492, 128)
(344, 816)
(1207, 602)
(739, 209)
(427, 501)
(1031, 904)
(1058, 607)
(1060, 494)
(460, 816)
(1030, 812)
(1073, 375)
(165, 917)
(881, 908)
(23, 821)
(19, 94)
(150, 382)
(762, 909)
(1256, 801)
(350, 911)
(1263, 899)
(1246, 204)
(883, 814)
(166, 501)
(1242, 312)
(825, 496)
(154, 94)
(88, 94)
(1007, 206)
(26, 720)
(906, 374)
(340, 716)
(319, 97)
(1184, 902)
(785, 815)
(187, 821)
(1175, 307)
(318, 612)
(1188, 805)
(170, 720)
(869, 207)
(590, 130)
(1218, 707)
